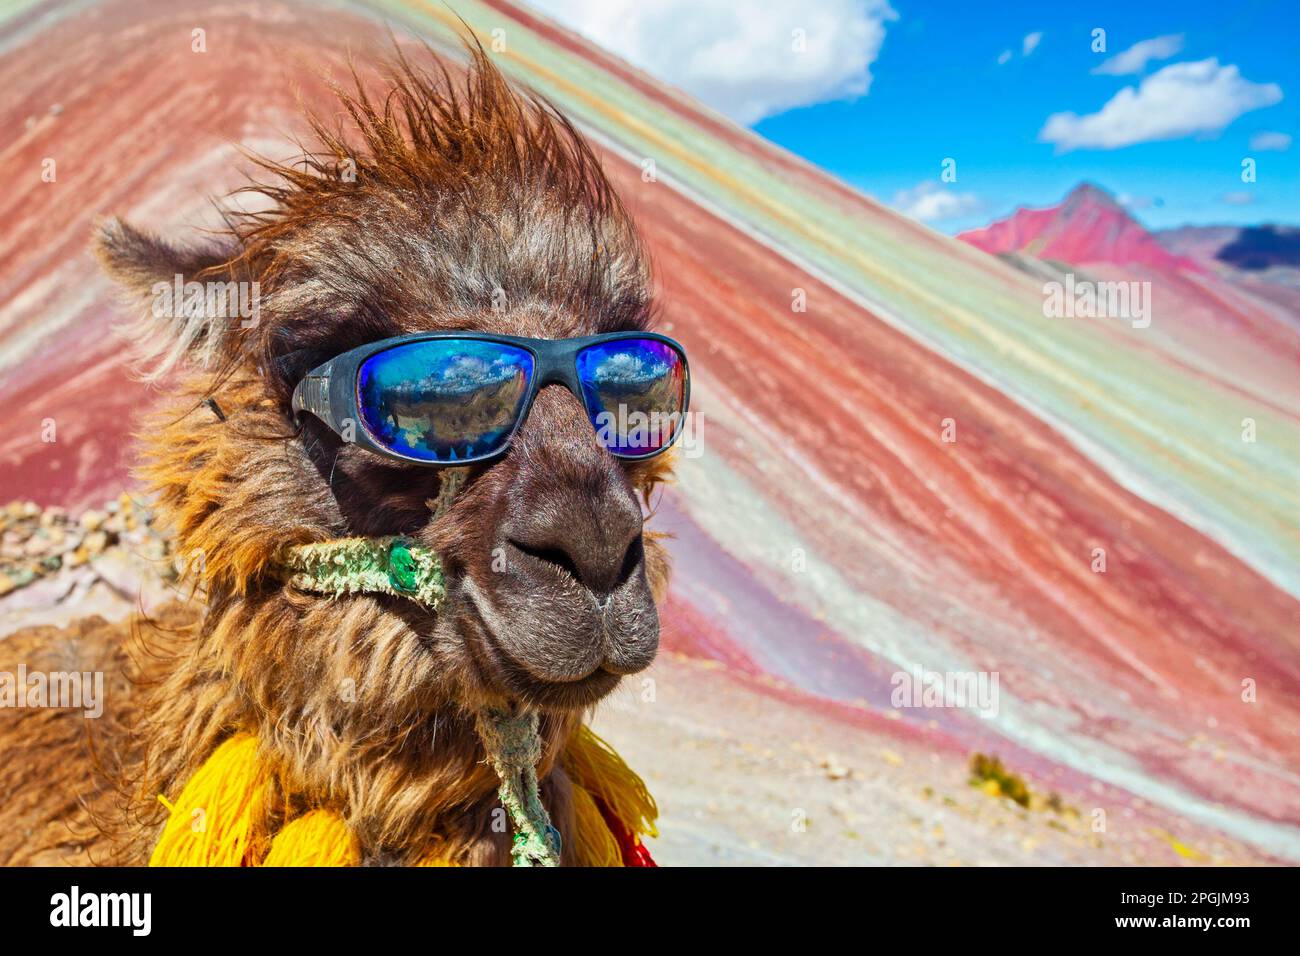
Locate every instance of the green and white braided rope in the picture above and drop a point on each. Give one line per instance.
(514, 748)
(393, 564)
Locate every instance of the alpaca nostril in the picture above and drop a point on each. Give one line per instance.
(594, 571)
(549, 555)
(631, 559)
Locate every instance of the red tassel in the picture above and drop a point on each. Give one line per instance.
(633, 851)
(639, 855)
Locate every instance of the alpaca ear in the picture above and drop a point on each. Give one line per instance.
(172, 317)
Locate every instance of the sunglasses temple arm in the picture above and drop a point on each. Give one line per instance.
(312, 395)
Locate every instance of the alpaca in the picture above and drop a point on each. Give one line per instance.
(463, 205)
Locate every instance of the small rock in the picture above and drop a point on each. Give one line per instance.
(36, 547)
(834, 769)
(92, 520)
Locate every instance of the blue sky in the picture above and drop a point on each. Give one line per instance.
(938, 91)
(881, 92)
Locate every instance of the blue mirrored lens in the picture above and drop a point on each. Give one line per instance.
(635, 393)
(444, 400)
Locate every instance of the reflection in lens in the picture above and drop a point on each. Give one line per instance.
(634, 390)
(444, 400)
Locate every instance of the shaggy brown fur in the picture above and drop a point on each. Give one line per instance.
(471, 207)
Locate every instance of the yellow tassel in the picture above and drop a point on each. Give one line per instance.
(317, 838)
(216, 820)
(213, 821)
(593, 844)
(592, 764)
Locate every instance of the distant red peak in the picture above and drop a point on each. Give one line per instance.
(1086, 194)
(1089, 225)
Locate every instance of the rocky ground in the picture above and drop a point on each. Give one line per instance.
(745, 775)
(746, 771)
(55, 567)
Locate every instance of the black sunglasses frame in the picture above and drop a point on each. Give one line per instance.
(330, 391)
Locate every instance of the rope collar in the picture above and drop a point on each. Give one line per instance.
(396, 565)
(514, 749)
(393, 564)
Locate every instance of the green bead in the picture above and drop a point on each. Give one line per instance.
(402, 570)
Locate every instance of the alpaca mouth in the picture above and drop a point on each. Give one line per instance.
(500, 669)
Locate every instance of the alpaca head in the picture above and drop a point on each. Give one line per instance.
(448, 205)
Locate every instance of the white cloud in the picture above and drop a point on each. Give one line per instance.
(1136, 57)
(740, 56)
(1183, 99)
(932, 202)
(1269, 140)
(1027, 46)
(1241, 198)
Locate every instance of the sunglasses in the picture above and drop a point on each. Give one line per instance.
(455, 398)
